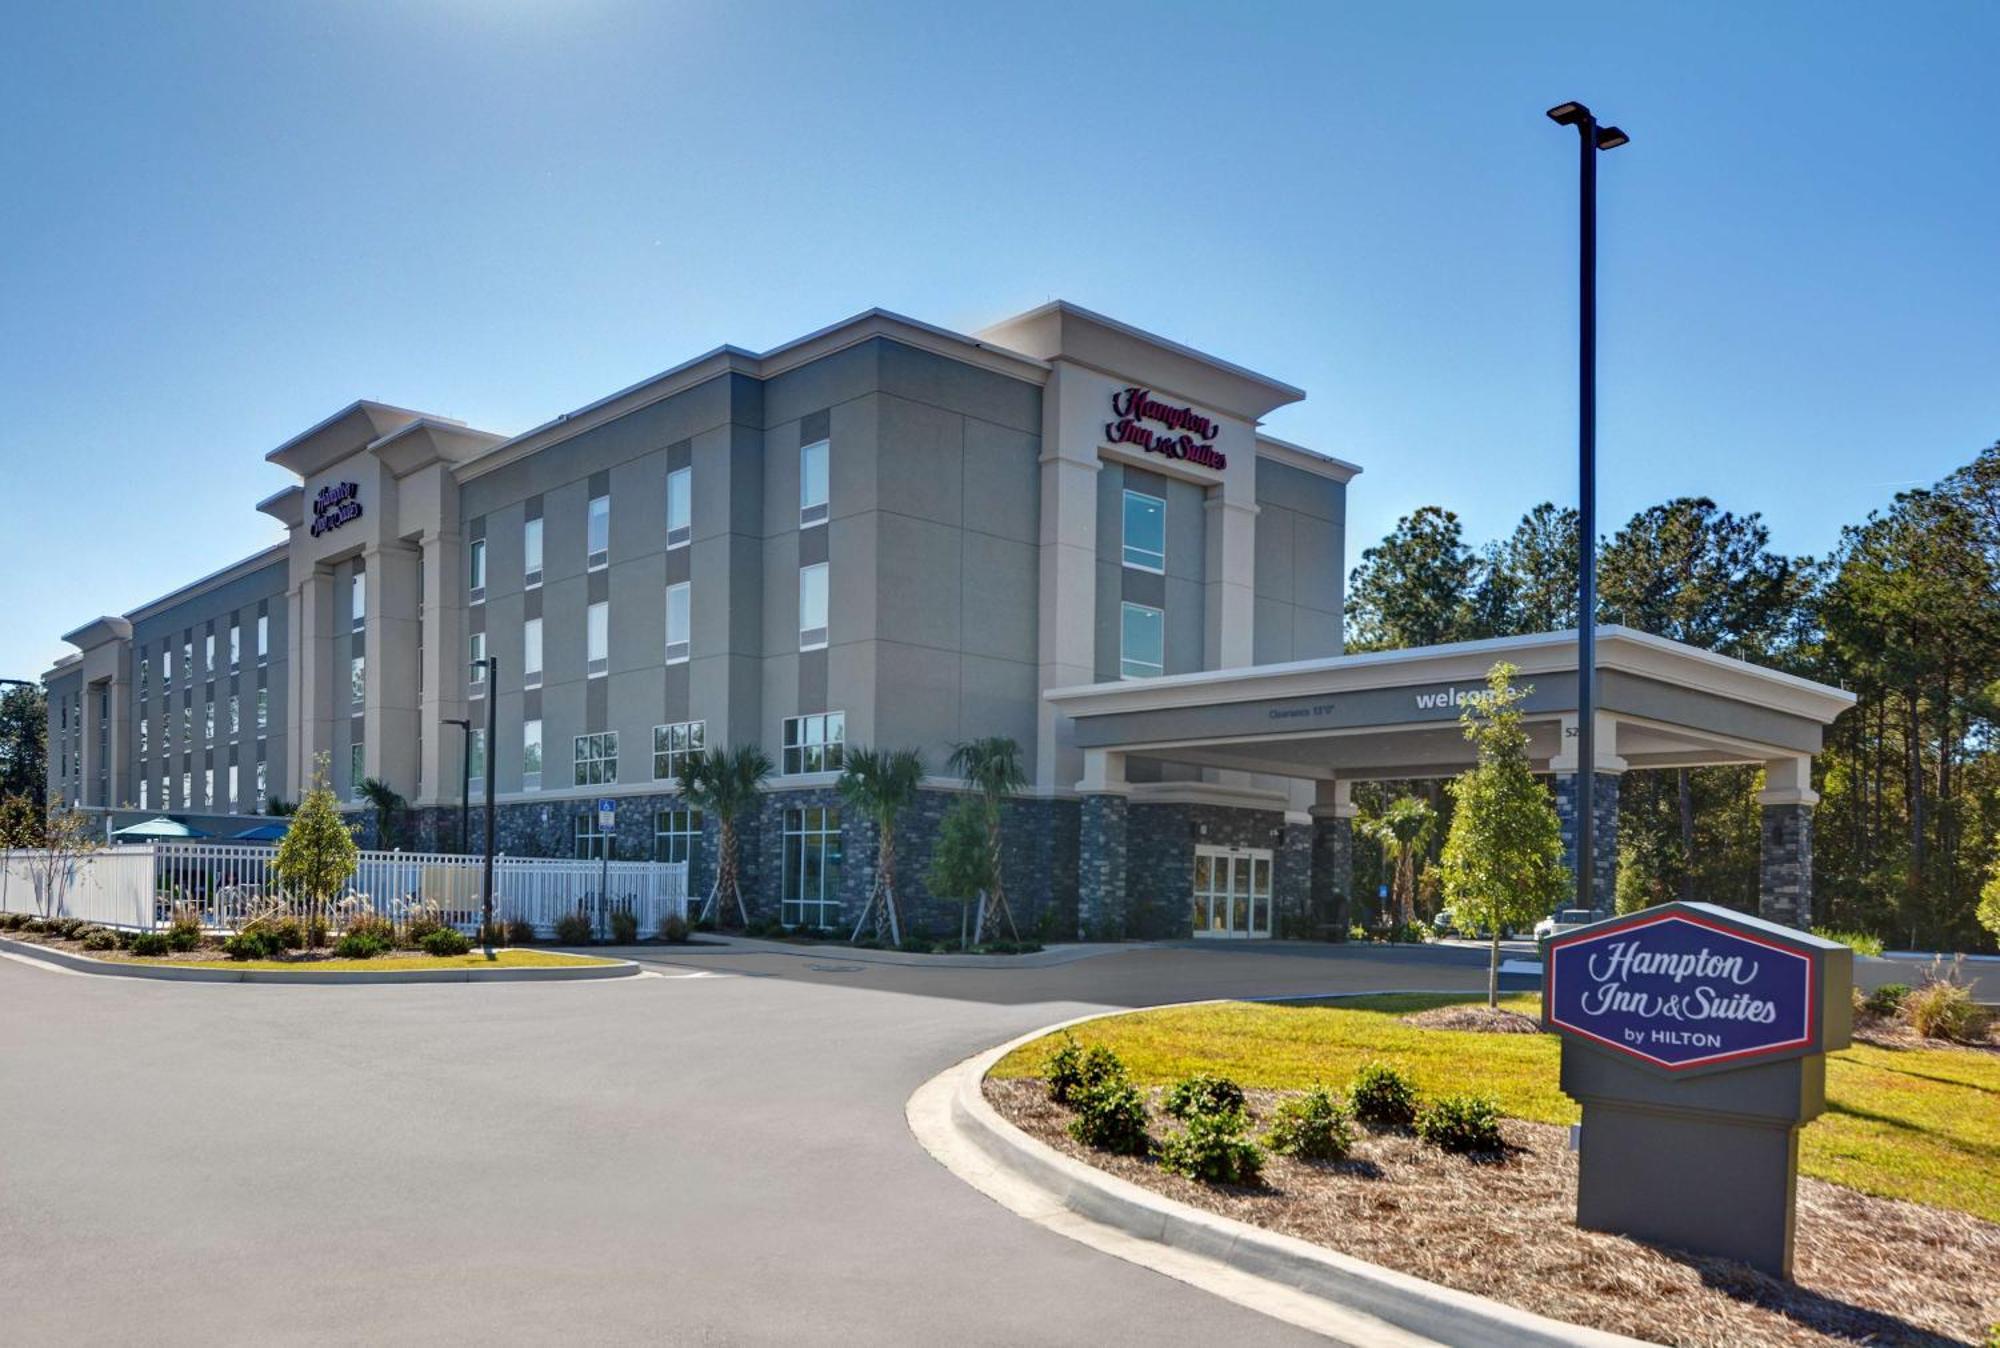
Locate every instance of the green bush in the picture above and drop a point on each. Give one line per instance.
(1311, 1127)
(1409, 933)
(369, 926)
(254, 942)
(100, 938)
(150, 943)
(1203, 1093)
(573, 929)
(184, 932)
(359, 946)
(624, 926)
(420, 923)
(12, 921)
(69, 928)
(1357, 933)
(1860, 942)
(1944, 1009)
(1383, 1097)
(1073, 1071)
(674, 929)
(520, 931)
(1214, 1150)
(1111, 1116)
(446, 942)
(1461, 1123)
(1886, 1000)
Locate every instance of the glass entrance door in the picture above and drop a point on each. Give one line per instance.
(1232, 892)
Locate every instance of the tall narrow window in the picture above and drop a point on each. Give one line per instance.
(142, 790)
(812, 606)
(357, 678)
(810, 884)
(1145, 532)
(263, 787)
(680, 507)
(475, 665)
(812, 484)
(677, 623)
(235, 645)
(531, 755)
(166, 669)
(263, 710)
(531, 553)
(475, 575)
(235, 717)
(357, 772)
(208, 721)
(208, 653)
(357, 599)
(475, 757)
(232, 788)
(531, 653)
(1142, 641)
(263, 638)
(208, 788)
(597, 639)
(597, 533)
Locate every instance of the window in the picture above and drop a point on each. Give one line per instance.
(145, 676)
(142, 788)
(263, 709)
(208, 788)
(475, 576)
(208, 722)
(166, 669)
(232, 788)
(263, 788)
(677, 623)
(815, 743)
(187, 659)
(591, 845)
(357, 599)
(1145, 532)
(676, 834)
(235, 717)
(812, 484)
(357, 678)
(680, 507)
(531, 755)
(812, 606)
(208, 652)
(263, 638)
(1142, 641)
(235, 646)
(356, 770)
(673, 745)
(143, 736)
(597, 758)
(531, 653)
(187, 724)
(597, 533)
(475, 756)
(475, 664)
(187, 790)
(597, 639)
(531, 554)
(811, 883)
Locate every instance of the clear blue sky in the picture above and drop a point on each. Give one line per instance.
(222, 223)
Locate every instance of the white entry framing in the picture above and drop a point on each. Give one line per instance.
(1232, 892)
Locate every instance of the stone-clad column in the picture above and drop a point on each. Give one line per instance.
(1332, 856)
(1604, 839)
(1784, 869)
(1101, 847)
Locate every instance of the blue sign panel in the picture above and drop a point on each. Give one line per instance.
(1680, 991)
(607, 814)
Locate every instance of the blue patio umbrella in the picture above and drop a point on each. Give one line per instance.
(263, 833)
(159, 827)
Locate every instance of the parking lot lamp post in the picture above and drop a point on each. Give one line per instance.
(464, 785)
(1591, 139)
(492, 697)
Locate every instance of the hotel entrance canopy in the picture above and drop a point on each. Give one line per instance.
(1395, 714)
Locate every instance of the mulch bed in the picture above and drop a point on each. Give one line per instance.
(207, 954)
(1869, 1270)
(1474, 1017)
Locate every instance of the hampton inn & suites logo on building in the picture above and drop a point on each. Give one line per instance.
(336, 504)
(1185, 433)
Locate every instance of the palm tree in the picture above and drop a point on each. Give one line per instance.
(387, 803)
(881, 783)
(725, 784)
(992, 766)
(1403, 830)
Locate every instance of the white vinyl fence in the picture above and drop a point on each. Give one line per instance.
(228, 883)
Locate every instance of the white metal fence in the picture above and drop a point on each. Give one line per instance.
(228, 883)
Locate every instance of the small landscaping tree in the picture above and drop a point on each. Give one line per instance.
(993, 767)
(1989, 903)
(1503, 862)
(725, 785)
(317, 854)
(1403, 831)
(881, 783)
(959, 861)
(55, 847)
(20, 826)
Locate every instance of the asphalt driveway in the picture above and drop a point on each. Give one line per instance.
(714, 1155)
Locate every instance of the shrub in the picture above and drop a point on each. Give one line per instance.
(252, 943)
(1860, 942)
(1357, 933)
(624, 926)
(69, 928)
(1203, 1093)
(150, 943)
(1944, 1009)
(573, 929)
(1311, 1127)
(1074, 1071)
(11, 921)
(360, 946)
(1214, 1150)
(446, 942)
(674, 928)
(1384, 1097)
(100, 938)
(421, 922)
(1886, 1000)
(31, 925)
(1409, 933)
(1111, 1116)
(520, 931)
(1462, 1123)
(184, 932)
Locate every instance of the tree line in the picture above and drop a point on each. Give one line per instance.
(1905, 613)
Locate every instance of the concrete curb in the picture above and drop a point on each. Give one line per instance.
(181, 973)
(1334, 1294)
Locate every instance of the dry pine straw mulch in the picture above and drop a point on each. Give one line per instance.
(1869, 1270)
(208, 953)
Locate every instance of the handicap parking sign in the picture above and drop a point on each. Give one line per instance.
(607, 815)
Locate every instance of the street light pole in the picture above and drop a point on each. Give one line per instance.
(464, 785)
(492, 697)
(1591, 138)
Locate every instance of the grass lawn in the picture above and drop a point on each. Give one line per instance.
(504, 959)
(1920, 1124)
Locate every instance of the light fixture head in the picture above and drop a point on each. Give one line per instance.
(1610, 138)
(1568, 114)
